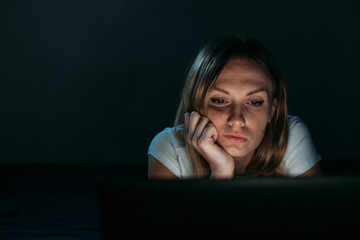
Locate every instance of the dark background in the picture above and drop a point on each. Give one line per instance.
(94, 81)
(85, 85)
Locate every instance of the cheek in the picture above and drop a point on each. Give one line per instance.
(260, 118)
(257, 122)
(258, 128)
(218, 118)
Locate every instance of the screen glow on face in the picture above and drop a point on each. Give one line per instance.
(240, 104)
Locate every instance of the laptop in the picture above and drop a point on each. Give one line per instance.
(245, 207)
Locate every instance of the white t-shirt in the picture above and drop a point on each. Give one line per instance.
(299, 157)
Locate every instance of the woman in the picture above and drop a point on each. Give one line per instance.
(233, 120)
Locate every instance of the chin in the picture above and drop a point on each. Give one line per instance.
(236, 152)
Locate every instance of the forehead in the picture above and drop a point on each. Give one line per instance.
(243, 72)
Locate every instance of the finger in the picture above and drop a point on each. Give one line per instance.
(209, 134)
(186, 122)
(192, 123)
(203, 121)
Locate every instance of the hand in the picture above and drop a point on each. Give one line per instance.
(202, 135)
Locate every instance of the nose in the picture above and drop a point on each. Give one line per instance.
(236, 116)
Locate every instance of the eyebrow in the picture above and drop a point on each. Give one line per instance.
(261, 89)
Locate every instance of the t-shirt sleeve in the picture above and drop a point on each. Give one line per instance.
(301, 154)
(161, 148)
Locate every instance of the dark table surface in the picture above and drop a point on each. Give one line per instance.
(60, 201)
(47, 201)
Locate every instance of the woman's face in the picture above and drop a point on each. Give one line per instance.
(240, 106)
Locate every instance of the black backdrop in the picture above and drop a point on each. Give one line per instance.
(94, 81)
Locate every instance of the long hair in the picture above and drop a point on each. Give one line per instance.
(200, 78)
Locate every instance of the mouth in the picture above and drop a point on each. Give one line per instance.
(235, 138)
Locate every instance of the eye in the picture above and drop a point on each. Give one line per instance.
(256, 103)
(218, 101)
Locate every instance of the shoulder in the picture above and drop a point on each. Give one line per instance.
(300, 154)
(297, 128)
(298, 133)
(162, 143)
(295, 122)
(168, 138)
(163, 136)
(169, 150)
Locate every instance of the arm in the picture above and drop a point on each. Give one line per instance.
(301, 158)
(312, 172)
(157, 170)
(163, 161)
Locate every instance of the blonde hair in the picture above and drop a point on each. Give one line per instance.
(202, 75)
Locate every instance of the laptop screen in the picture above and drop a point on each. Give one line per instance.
(247, 206)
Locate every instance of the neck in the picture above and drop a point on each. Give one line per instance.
(241, 164)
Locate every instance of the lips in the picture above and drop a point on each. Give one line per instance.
(235, 137)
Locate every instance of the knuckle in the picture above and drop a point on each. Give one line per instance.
(188, 139)
(194, 141)
(194, 114)
(201, 143)
(186, 116)
(210, 125)
(197, 148)
(204, 119)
